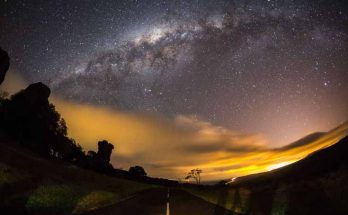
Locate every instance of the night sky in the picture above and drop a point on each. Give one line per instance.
(275, 68)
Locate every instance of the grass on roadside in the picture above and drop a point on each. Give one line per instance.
(231, 199)
(44, 186)
(9, 175)
(53, 194)
(76, 199)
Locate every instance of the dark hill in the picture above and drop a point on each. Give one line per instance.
(315, 165)
(316, 185)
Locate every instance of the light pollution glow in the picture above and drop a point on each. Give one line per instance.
(170, 148)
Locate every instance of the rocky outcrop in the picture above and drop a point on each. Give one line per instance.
(4, 64)
(104, 151)
(36, 94)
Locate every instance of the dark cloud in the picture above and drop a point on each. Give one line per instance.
(227, 147)
(303, 141)
(226, 168)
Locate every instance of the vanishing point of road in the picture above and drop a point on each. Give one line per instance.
(162, 201)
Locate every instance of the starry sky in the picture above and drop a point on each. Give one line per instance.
(272, 70)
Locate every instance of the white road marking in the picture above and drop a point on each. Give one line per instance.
(168, 211)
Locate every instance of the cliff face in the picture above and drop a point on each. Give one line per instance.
(4, 64)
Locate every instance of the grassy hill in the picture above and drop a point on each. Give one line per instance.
(30, 184)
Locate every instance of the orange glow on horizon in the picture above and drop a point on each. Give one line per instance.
(166, 148)
(171, 147)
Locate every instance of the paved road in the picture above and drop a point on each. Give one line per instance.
(162, 202)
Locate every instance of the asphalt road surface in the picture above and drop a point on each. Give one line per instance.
(162, 202)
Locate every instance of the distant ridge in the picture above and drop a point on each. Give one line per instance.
(317, 164)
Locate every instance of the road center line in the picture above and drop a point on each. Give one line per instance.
(168, 211)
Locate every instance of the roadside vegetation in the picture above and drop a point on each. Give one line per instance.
(228, 198)
(30, 184)
(328, 193)
(316, 184)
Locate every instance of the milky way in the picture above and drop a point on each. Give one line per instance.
(273, 67)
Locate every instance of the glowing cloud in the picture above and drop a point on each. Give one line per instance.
(171, 147)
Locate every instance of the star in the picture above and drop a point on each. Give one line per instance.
(254, 66)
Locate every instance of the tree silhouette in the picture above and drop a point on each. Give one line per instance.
(3, 94)
(195, 174)
(29, 118)
(137, 171)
